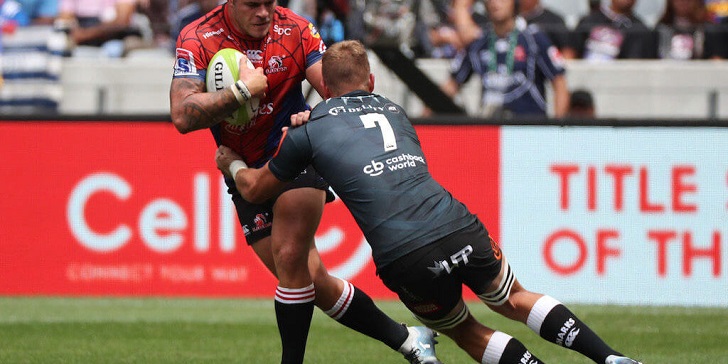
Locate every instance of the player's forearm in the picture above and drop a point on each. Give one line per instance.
(250, 185)
(191, 109)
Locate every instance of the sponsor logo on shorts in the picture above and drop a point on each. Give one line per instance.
(497, 253)
(425, 308)
(260, 222)
(455, 260)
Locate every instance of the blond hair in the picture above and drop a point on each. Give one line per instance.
(345, 67)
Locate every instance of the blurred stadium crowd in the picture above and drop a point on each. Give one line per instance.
(37, 34)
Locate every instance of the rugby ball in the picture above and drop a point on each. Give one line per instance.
(222, 71)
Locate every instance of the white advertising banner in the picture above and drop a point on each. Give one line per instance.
(617, 215)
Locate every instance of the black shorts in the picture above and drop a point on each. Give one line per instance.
(429, 280)
(257, 219)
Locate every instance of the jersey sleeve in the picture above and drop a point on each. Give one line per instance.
(313, 46)
(293, 155)
(189, 55)
(549, 61)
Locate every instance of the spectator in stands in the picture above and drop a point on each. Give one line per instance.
(551, 23)
(30, 68)
(685, 31)
(581, 105)
(329, 25)
(612, 32)
(183, 12)
(157, 11)
(33, 12)
(103, 23)
(435, 31)
(718, 10)
(513, 60)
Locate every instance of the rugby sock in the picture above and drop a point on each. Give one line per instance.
(502, 348)
(294, 309)
(555, 323)
(357, 311)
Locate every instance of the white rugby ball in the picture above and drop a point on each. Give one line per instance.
(223, 72)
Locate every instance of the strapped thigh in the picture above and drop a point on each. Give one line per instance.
(452, 319)
(500, 295)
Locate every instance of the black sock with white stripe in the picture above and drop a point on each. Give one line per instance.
(294, 310)
(502, 348)
(555, 323)
(357, 311)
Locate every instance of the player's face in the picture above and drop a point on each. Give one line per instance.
(499, 10)
(253, 17)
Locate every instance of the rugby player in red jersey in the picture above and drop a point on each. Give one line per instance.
(286, 49)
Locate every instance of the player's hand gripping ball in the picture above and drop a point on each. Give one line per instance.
(223, 72)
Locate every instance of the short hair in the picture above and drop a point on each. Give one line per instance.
(346, 65)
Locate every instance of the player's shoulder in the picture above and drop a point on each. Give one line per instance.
(212, 21)
(289, 17)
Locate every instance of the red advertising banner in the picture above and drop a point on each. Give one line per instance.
(135, 208)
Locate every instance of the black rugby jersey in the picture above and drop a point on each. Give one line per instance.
(365, 147)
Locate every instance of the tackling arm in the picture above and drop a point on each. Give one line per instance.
(256, 185)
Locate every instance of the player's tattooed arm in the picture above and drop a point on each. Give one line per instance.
(191, 108)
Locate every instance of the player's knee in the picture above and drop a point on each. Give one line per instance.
(288, 254)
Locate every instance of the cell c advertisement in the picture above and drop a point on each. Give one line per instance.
(587, 214)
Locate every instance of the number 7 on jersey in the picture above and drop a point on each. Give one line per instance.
(371, 121)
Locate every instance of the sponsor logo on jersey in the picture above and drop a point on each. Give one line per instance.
(336, 110)
(556, 58)
(402, 161)
(454, 261)
(264, 109)
(213, 33)
(281, 30)
(374, 168)
(275, 65)
(254, 55)
(519, 54)
(567, 334)
(185, 63)
(314, 31)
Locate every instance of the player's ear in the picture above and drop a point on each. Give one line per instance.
(327, 92)
(371, 82)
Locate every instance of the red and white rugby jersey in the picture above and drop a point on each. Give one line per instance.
(291, 46)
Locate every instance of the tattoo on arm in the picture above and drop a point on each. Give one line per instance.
(192, 108)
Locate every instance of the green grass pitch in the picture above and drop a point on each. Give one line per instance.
(174, 330)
